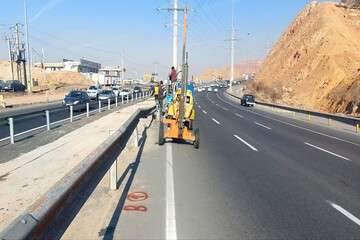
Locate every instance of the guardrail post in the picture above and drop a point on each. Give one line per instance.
(109, 104)
(87, 109)
(11, 129)
(113, 176)
(133, 97)
(47, 113)
(122, 99)
(116, 101)
(309, 117)
(99, 106)
(358, 128)
(71, 113)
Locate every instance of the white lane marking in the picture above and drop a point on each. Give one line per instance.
(170, 196)
(262, 125)
(199, 107)
(205, 112)
(239, 115)
(327, 151)
(345, 213)
(216, 121)
(246, 143)
(293, 125)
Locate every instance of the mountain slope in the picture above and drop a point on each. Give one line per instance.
(316, 63)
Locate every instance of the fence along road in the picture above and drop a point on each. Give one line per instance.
(29, 121)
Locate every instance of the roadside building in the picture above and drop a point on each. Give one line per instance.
(110, 76)
(81, 66)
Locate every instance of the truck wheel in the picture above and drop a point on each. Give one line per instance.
(161, 134)
(197, 139)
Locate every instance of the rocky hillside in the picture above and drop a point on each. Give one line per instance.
(316, 62)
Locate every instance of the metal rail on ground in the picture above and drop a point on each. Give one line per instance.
(330, 117)
(46, 113)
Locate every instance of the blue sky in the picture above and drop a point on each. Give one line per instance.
(103, 30)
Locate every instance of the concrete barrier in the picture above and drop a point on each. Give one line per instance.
(49, 217)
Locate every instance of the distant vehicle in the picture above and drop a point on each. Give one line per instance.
(200, 89)
(248, 100)
(125, 93)
(137, 90)
(210, 89)
(107, 94)
(216, 90)
(116, 90)
(93, 92)
(77, 99)
(2, 85)
(14, 86)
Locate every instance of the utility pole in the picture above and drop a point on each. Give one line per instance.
(175, 9)
(20, 56)
(122, 69)
(30, 82)
(10, 56)
(175, 34)
(232, 47)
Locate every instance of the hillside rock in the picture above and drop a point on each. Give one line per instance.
(316, 62)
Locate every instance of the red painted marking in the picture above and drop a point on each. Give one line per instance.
(137, 196)
(135, 208)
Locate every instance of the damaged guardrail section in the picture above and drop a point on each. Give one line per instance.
(49, 217)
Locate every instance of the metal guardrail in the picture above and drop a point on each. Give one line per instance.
(10, 118)
(331, 117)
(49, 217)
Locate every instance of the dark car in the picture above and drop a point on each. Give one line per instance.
(248, 100)
(2, 85)
(137, 90)
(77, 99)
(14, 86)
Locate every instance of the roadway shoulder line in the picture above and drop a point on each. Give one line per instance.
(246, 143)
(216, 121)
(170, 196)
(345, 213)
(293, 125)
(262, 125)
(205, 112)
(327, 151)
(239, 115)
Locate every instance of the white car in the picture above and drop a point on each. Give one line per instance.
(93, 92)
(125, 93)
(210, 89)
(116, 90)
(216, 90)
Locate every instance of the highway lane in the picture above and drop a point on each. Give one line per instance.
(258, 179)
(31, 121)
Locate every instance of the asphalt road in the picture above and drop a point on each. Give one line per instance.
(257, 177)
(24, 120)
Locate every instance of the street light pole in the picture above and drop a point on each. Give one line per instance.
(232, 45)
(30, 82)
(175, 34)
